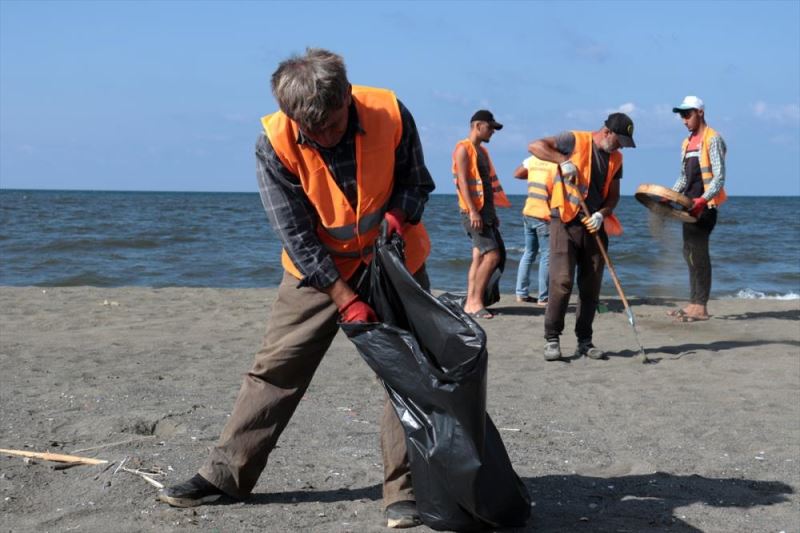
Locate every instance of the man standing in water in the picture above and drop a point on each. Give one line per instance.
(590, 166)
(479, 192)
(334, 164)
(702, 179)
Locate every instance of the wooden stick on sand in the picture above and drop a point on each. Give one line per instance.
(144, 476)
(57, 457)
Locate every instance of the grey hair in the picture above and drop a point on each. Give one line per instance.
(310, 86)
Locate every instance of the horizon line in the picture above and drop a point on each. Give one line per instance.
(434, 193)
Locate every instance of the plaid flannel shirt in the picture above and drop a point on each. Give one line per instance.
(716, 153)
(293, 217)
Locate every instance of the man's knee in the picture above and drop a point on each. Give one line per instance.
(561, 278)
(491, 258)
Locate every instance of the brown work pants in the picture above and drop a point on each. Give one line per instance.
(571, 246)
(301, 327)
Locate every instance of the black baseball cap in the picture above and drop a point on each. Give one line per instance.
(622, 125)
(486, 116)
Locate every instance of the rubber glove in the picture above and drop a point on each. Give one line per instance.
(699, 205)
(394, 221)
(594, 222)
(568, 170)
(355, 310)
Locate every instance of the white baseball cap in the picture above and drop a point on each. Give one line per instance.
(690, 102)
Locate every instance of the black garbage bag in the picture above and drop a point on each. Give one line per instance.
(492, 293)
(432, 358)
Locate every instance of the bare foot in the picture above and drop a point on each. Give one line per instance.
(692, 318)
(676, 313)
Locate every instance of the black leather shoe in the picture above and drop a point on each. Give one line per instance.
(402, 514)
(589, 350)
(195, 491)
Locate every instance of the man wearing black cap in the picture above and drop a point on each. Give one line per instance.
(479, 192)
(590, 165)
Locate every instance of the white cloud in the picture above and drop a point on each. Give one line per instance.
(629, 108)
(776, 113)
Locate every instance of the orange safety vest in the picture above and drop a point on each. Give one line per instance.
(705, 165)
(474, 179)
(347, 234)
(582, 158)
(540, 185)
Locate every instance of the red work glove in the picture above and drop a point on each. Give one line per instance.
(355, 310)
(394, 222)
(699, 205)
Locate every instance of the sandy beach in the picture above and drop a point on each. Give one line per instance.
(705, 438)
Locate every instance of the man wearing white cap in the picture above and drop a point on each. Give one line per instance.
(702, 179)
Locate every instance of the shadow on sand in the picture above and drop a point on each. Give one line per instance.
(634, 503)
(372, 493)
(639, 503)
(789, 314)
(690, 348)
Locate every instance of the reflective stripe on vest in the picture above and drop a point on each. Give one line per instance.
(541, 176)
(347, 233)
(474, 179)
(537, 191)
(705, 165)
(365, 224)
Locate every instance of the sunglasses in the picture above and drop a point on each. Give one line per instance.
(686, 113)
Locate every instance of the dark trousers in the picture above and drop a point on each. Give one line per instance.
(695, 252)
(571, 246)
(301, 327)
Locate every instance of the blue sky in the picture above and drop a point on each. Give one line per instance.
(167, 95)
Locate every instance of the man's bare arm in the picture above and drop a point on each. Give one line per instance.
(611, 200)
(545, 149)
(462, 176)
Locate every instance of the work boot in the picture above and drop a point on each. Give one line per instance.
(195, 491)
(402, 514)
(589, 350)
(552, 351)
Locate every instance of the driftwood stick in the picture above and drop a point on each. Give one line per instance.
(144, 472)
(144, 476)
(57, 457)
(119, 466)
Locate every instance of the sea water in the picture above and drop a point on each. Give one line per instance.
(159, 239)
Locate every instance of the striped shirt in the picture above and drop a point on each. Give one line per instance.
(292, 215)
(716, 153)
